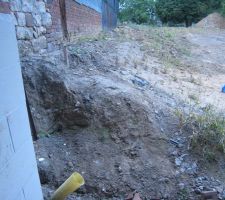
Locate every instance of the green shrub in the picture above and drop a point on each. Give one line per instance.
(207, 132)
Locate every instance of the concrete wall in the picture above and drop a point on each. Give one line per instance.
(18, 171)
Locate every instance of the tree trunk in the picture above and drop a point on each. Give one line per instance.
(188, 22)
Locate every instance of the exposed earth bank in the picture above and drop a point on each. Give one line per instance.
(110, 113)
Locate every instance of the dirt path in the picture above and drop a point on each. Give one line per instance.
(209, 55)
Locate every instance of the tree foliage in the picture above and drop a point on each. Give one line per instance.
(188, 11)
(175, 11)
(137, 11)
(223, 7)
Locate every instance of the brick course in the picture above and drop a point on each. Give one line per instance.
(82, 19)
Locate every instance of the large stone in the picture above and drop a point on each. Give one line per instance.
(24, 33)
(16, 5)
(28, 5)
(29, 20)
(40, 7)
(39, 31)
(37, 19)
(39, 44)
(25, 47)
(21, 18)
(14, 19)
(46, 19)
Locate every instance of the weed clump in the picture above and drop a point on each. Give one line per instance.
(207, 132)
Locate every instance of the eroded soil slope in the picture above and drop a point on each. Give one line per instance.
(110, 113)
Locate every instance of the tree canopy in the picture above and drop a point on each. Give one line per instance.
(223, 7)
(175, 11)
(179, 11)
(137, 11)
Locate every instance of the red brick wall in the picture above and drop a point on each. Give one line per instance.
(80, 19)
(4, 7)
(54, 33)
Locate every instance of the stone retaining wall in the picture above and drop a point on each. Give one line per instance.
(31, 19)
(39, 23)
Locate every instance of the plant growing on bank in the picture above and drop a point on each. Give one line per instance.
(207, 132)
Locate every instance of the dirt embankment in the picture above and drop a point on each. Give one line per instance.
(110, 114)
(212, 21)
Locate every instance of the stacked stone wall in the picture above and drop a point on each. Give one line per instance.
(38, 23)
(31, 19)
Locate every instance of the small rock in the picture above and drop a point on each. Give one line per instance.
(198, 191)
(223, 194)
(201, 188)
(219, 189)
(178, 161)
(181, 186)
(70, 164)
(164, 180)
(174, 153)
(129, 196)
(137, 197)
(39, 43)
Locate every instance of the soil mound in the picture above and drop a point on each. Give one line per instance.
(214, 20)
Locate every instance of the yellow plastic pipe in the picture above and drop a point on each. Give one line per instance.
(74, 182)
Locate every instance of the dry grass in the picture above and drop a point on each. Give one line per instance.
(207, 132)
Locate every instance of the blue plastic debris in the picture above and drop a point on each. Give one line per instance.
(139, 81)
(223, 89)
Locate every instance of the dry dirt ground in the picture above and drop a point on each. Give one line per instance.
(110, 113)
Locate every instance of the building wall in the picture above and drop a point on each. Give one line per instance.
(82, 19)
(54, 33)
(18, 169)
(109, 14)
(94, 4)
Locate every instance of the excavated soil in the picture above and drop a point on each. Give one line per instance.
(214, 20)
(110, 112)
